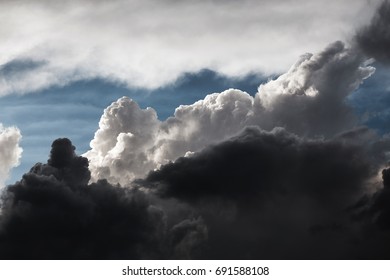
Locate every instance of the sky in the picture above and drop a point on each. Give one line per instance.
(204, 129)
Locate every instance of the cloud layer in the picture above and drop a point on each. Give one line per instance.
(10, 151)
(273, 195)
(258, 195)
(308, 100)
(151, 43)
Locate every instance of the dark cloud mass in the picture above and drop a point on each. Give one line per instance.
(256, 163)
(265, 195)
(53, 214)
(374, 39)
(273, 195)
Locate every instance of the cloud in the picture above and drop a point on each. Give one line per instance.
(262, 162)
(374, 39)
(10, 151)
(274, 195)
(151, 43)
(308, 100)
(51, 213)
(267, 195)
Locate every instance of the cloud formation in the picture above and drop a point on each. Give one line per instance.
(274, 195)
(308, 100)
(151, 43)
(10, 151)
(53, 214)
(258, 195)
(374, 39)
(285, 174)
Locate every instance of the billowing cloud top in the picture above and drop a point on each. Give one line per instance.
(307, 100)
(150, 43)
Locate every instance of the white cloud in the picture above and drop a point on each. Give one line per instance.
(10, 152)
(150, 43)
(131, 141)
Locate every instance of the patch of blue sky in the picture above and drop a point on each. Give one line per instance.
(371, 101)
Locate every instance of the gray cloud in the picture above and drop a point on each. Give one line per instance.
(374, 39)
(151, 43)
(273, 195)
(258, 195)
(53, 214)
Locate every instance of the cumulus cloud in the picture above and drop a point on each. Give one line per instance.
(10, 151)
(308, 100)
(374, 39)
(151, 43)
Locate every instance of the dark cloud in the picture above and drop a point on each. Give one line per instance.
(272, 195)
(379, 208)
(53, 214)
(374, 39)
(259, 195)
(258, 162)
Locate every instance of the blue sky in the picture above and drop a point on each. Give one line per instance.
(371, 100)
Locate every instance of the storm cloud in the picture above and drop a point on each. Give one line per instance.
(274, 195)
(267, 195)
(374, 39)
(53, 214)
